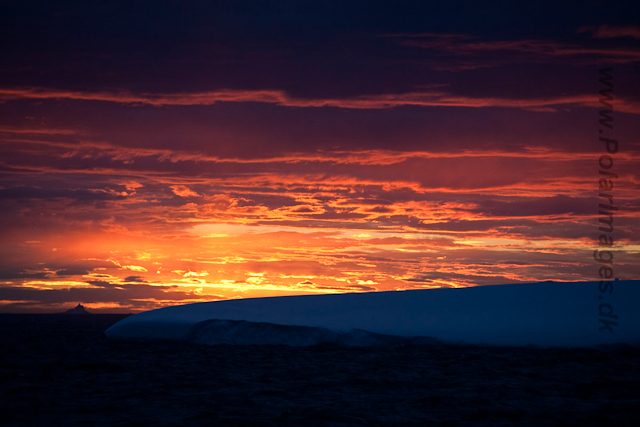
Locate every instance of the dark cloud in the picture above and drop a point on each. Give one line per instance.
(137, 279)
(536, 206)
(135, 297)
(611, 31)
(40, 193)
(355, 288)
(101, 283)
(71, 272)
(22, 274)
(79, 266)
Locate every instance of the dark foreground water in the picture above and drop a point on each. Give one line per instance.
(61, 370)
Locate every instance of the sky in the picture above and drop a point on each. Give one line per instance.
(165, 153)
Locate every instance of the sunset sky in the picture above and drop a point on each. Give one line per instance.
(174, 153)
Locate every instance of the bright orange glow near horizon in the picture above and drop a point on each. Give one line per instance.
(410, 157)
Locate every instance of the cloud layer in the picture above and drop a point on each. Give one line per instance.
(305, 152)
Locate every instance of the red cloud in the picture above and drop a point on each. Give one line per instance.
(427, 98)
(611, 31)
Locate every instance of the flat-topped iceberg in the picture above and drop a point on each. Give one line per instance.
(563, 314)
(241, 332)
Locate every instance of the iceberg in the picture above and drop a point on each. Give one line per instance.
(79, 309)
(549, 314)
(241, 332)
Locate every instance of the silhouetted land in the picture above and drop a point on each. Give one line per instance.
(61, 370)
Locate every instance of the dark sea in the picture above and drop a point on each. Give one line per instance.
(60, 370)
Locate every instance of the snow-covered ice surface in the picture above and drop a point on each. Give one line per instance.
(563, 314)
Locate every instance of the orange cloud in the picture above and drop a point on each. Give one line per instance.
(184, 191)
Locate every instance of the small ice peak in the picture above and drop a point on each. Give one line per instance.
(78, 310)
